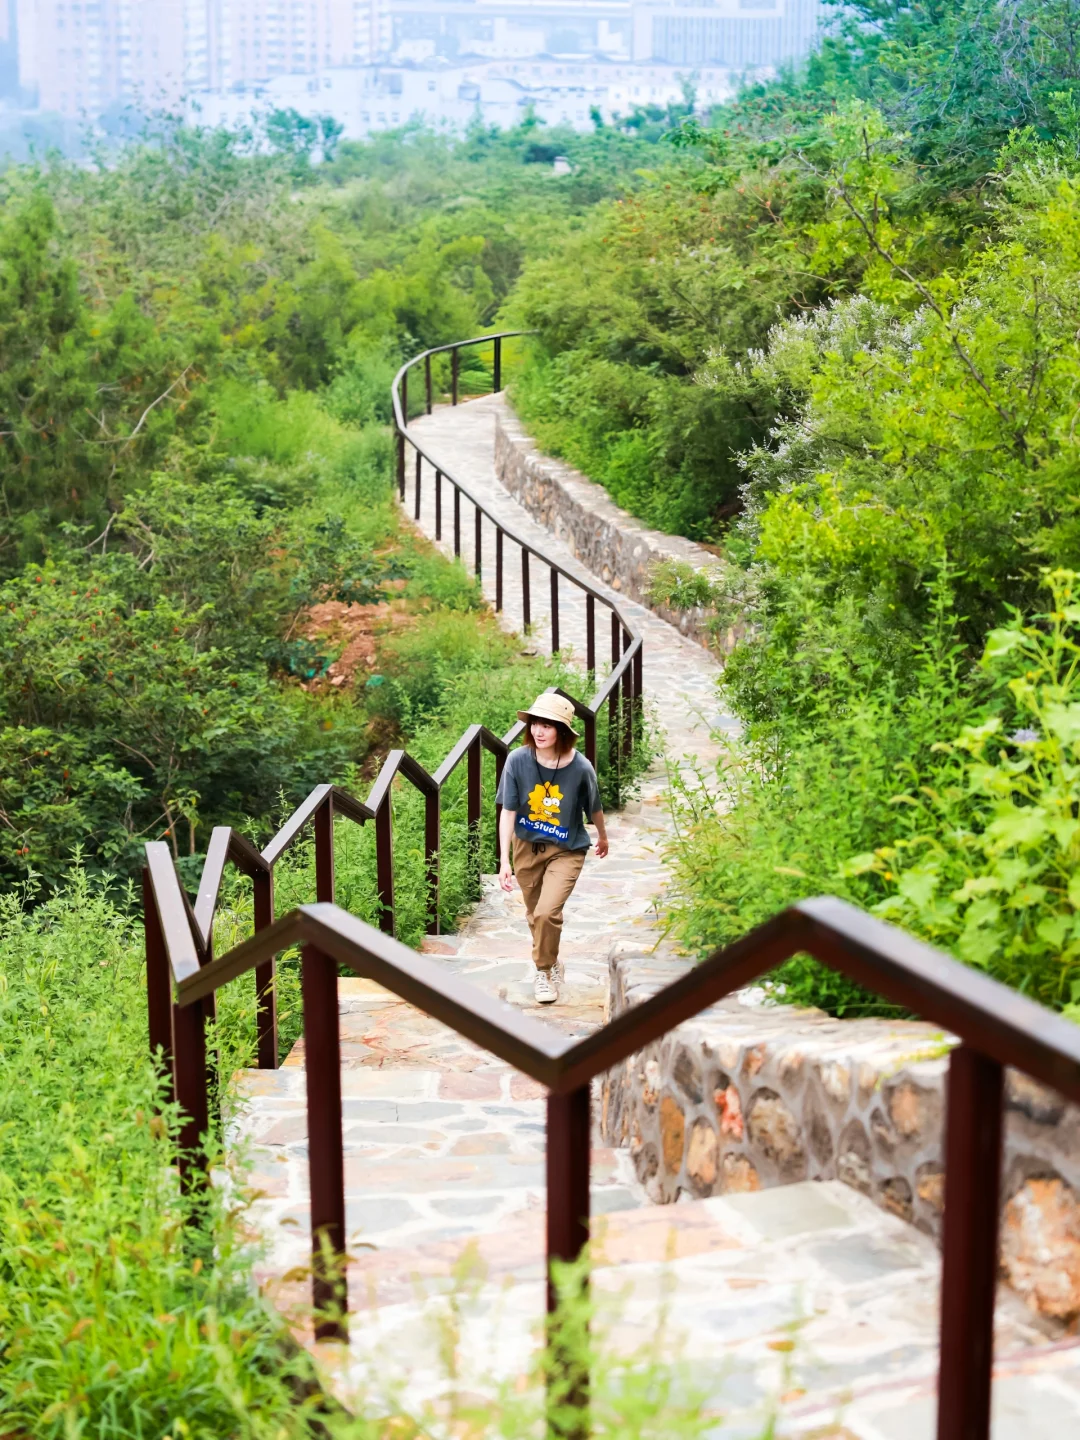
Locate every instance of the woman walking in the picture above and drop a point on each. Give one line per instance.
(547, 791)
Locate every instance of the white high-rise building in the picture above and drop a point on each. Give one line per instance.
(252, 41)
(81, 56)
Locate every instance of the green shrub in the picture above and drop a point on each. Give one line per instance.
(421, 662)
(164, 732)
(944, 804)
(987, 859)
(793, 800)
(111, 1321)
(434, 582)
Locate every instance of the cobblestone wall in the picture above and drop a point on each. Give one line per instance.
(745, 1097)
(607, 540)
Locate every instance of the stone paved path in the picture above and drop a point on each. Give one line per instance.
(808, 1299)
(680, 676)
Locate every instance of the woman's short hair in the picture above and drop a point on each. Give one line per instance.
(565, 739)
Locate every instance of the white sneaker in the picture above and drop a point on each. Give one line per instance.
(543, 989)
(557, 974)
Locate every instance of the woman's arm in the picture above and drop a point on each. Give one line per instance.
(601, 834)
(507, 821)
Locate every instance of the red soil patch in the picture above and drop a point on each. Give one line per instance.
(351, 629)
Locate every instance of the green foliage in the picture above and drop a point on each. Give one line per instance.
(121, 1318)
(679, 586)
(812, 783)
(165, 731)
(961, 75)
(986, 860)
(630, 309)
(111, 1323)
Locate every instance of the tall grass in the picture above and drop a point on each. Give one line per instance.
(121, 1320)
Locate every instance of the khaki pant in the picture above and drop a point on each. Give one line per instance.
(547, 875)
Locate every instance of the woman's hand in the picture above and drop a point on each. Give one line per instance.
(506, 876)
(601, 845)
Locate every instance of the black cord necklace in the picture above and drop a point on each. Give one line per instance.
(553, 768)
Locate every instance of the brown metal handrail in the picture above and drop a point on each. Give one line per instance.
(319, 810)
(622, 690)
(995, 1027)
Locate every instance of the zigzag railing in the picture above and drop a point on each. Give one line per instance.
(621, 691)
(994, 1026)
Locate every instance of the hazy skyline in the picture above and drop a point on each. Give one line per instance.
(85, 58)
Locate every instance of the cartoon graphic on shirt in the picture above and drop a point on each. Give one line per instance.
(545, 803)
(545, 813)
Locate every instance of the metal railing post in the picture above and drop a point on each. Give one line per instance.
(326, 1158)
(569, 1141)
(405, 400)
(498, 572)
(189, 1064)
(265, 977)
(427, 381)
(322, 1065)
(614, 719)
(554, 610)
(454, 367)
(384, 864)
(475, 806)
(158, 988)
(970, 1261)
(477, 535)
(590, 634)
(401, 465)
(590, 740)
(627, 736)
(457, 523)
(496, 377)
(432, 842)
(526, 605)
(416, 506)
(438, 504)
(323, 825)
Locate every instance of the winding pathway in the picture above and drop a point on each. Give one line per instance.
(807, 1302)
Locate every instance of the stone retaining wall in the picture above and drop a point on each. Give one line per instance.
(747, 1096)
(607, 540)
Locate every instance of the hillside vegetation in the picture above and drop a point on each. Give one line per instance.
(830, 330)
(837, 339)
(199, 337)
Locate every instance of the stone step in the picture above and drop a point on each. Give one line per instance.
(807, 1304)
(806, 1307)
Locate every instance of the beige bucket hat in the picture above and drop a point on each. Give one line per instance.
(550, 706)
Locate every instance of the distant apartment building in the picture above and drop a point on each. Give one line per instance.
(739, 34)
(82, 56)
(255, 40)
(505, 29)
(743, 34)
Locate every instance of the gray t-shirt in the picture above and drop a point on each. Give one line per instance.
(551, 804)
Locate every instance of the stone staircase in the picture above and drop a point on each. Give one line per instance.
(804, 1310)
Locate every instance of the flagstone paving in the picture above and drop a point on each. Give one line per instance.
(806, 1300)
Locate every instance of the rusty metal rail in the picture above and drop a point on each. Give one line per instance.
(994, 1026)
